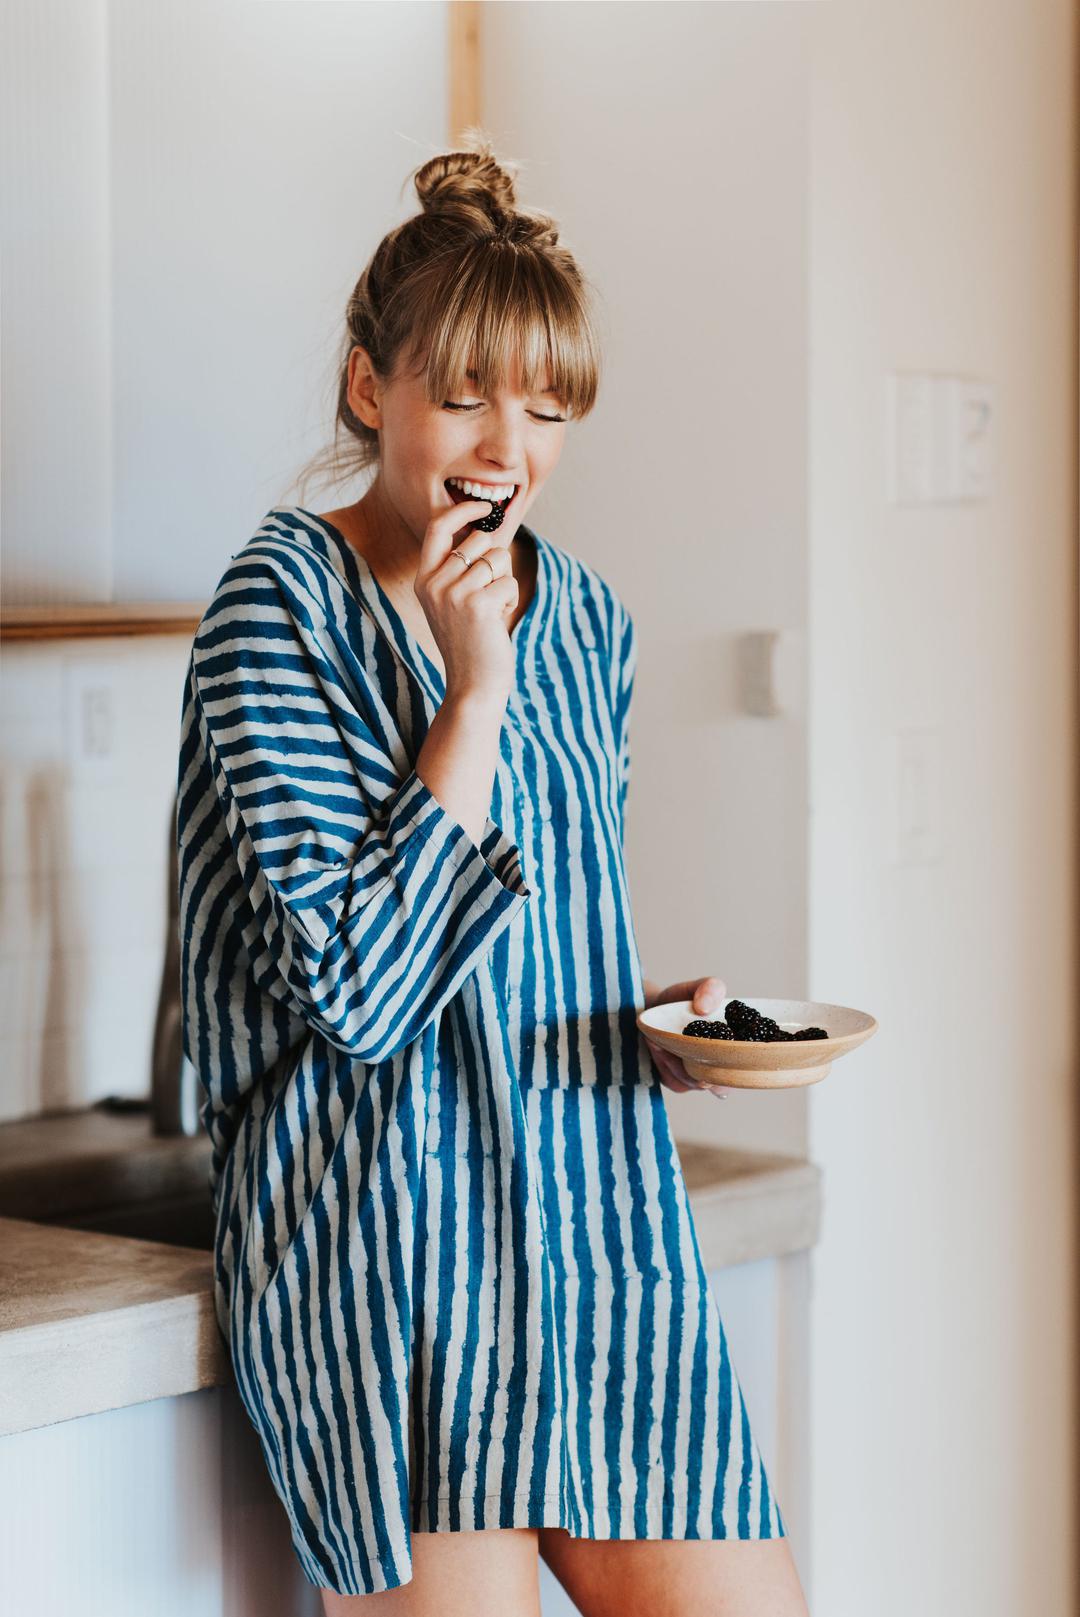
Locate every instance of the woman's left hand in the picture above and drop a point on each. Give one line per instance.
(706, 994)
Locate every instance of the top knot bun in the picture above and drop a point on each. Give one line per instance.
(465, 180)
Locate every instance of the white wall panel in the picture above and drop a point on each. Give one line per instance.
(55, 302)
(191, 191)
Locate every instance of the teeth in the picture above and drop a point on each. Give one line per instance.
(483, 491)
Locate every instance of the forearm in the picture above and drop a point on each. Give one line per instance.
(458, 758)
(651, 991)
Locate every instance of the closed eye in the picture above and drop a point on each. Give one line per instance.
(449, 405)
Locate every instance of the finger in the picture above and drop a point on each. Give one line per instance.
(704, 993)
(438, 540)
(675, 991)
(488, 564)
(677, 1077)
(708, 994)
(709, 1089)
(670, 1077)
(717, 1091)
(672, 1072)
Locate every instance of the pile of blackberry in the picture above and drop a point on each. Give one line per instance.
(743, 1022)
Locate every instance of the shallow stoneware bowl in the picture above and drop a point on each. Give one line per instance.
(749, 1064)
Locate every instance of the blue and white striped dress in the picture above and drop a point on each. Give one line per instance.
(455, 1263)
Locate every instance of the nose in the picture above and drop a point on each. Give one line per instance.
(502, 449)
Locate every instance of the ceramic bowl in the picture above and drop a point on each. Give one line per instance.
(748, 1064)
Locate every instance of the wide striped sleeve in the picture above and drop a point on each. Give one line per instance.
(624, 668)
(368, 904)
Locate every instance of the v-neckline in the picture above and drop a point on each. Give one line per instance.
(394, 625)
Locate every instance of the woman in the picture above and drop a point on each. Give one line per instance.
(455, 1263)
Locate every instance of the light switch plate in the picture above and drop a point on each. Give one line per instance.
(939, 439)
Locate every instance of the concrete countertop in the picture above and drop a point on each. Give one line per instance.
(91, 1321)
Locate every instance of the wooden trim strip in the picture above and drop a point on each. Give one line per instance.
(97, 619)
(463, 35)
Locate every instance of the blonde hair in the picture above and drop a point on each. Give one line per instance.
(472, 282)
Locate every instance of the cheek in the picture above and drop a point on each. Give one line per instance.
(547, 460)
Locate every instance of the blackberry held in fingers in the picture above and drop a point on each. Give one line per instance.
(494, 518)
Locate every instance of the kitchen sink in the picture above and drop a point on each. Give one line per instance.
(102, 1169)
(185, 1221)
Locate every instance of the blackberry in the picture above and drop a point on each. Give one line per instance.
(493, 519)
(750, 1024)
(701, 1028)
(783, 1036)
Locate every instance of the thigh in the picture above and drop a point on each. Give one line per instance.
(493, 1573)
(670, 1577)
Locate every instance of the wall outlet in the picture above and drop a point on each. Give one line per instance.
(772, 672)
(91, 718)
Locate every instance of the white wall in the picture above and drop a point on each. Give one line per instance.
(943, 237)
(56, 302)
(84, 845)
(192, 188)
(671, 143)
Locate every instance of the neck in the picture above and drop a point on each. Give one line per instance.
(391, 545)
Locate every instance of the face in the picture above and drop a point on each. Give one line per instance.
(507, 439)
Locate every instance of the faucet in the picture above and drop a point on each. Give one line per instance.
(174, 1083)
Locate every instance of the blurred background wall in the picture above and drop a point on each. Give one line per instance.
(943, 239)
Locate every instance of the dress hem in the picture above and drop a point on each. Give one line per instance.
(526, 1503)
(533, 1504)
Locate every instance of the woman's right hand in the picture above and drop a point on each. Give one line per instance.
(469, 610)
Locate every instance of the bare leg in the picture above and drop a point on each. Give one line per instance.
(668, 1577)
(494, 1573)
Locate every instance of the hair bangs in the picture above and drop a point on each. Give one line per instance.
(506, 321)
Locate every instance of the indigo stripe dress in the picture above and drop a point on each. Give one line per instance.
(455, 1264)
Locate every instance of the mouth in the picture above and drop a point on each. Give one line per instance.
(495, 516)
